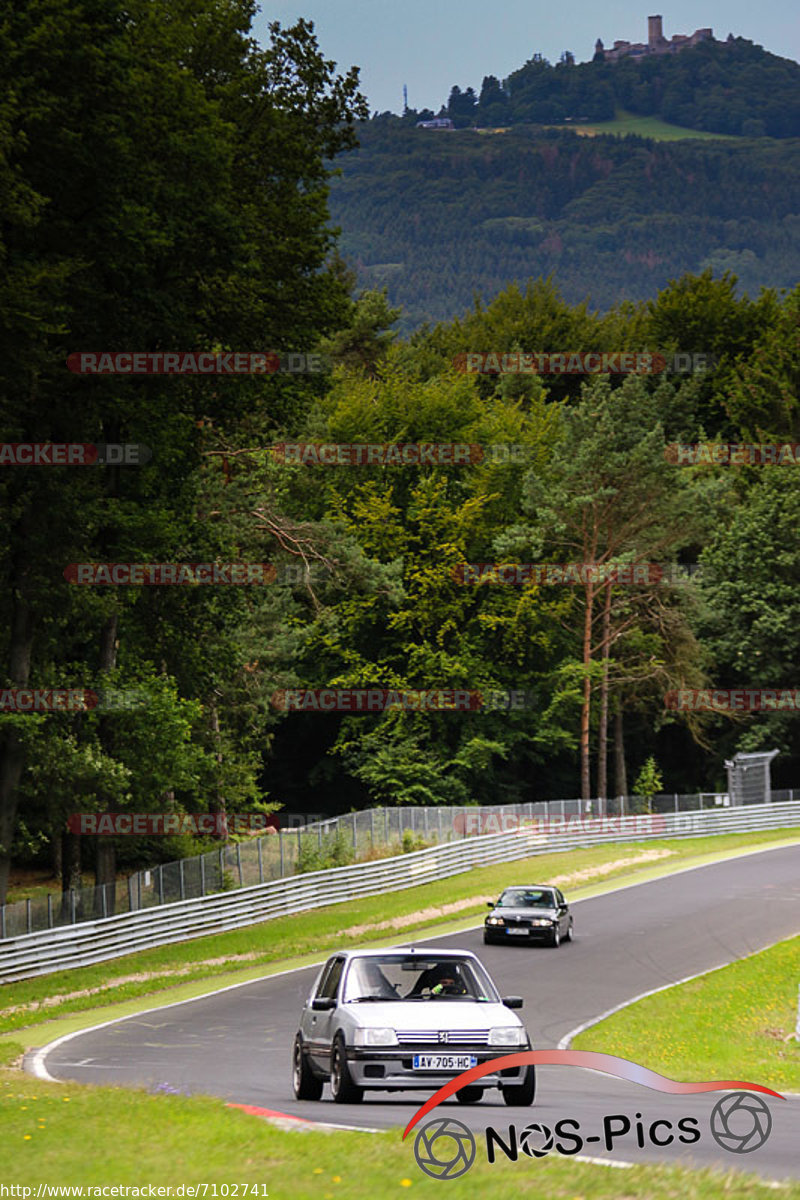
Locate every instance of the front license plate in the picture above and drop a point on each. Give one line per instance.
(444, 1062)
(518, 932)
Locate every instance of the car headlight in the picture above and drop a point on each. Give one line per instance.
(542, 921)
(494, 920)
(374, 1037)
(508, 1035)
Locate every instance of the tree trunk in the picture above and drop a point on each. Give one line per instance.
(620, 774)
(218, 802)
(602, 736)
(106, 855)
(70, 872)
(57, 855)
(586, 779)
(12, 753)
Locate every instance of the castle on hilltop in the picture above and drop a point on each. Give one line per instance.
(656, 43)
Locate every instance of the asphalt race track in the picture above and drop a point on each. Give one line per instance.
(237, 1043)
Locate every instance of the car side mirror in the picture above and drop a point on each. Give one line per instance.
(490, 904)
(512, 1001)
(323, 1003)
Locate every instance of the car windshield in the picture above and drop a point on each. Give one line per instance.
(526, 898)
(401, 977)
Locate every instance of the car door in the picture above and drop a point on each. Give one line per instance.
(321, 1020)
(563, 913)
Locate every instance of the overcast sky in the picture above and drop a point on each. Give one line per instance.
(432, 44)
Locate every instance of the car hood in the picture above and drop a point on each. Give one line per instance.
(527, 913)
(431, 1014)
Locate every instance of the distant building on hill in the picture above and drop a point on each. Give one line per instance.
(656, 43)
(436, 123)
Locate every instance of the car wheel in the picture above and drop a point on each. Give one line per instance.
(469, 1095)
(306, 1084)
(568, 934)
(555, 938)
(520, 1095)
(342, 1087)
(487, 941)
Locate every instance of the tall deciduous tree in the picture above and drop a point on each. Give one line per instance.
(165, 185)
(606, 497)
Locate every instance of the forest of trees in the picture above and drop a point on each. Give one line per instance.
(732, 87)
(438, 217)
(191, 213)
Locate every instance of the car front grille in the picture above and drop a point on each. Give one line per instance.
(454, 1037)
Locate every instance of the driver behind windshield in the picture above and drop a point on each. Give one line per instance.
(527, 900)
(443, 979)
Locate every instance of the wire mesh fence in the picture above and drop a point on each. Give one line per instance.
(353, 837)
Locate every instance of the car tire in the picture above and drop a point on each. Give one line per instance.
(469, 1095)
(555, 938)
(306, 1084)
(568, 934)
(521, 1095)
(343, 1090)
(487, 941)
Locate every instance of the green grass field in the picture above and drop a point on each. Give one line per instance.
(650, 127)
(733, 1020)
(193, 967)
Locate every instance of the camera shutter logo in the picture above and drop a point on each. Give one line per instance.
(533, 1134)
(741, 1122)
(444, 1149)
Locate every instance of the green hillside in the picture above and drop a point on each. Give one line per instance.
(732, 87)
(436, 217)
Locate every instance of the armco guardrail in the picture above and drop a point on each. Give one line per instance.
(112, 937)
(291, 851)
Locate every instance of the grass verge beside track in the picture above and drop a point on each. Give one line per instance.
(104, 1136)
(729, 1024)
(197, 967)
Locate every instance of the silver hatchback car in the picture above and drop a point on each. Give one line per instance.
(389, 1020)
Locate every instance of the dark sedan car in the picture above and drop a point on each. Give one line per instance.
(529, 914)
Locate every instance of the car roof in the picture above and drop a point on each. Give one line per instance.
(530, 887)
(409, 951)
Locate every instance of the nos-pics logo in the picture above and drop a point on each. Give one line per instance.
(445, 1148)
